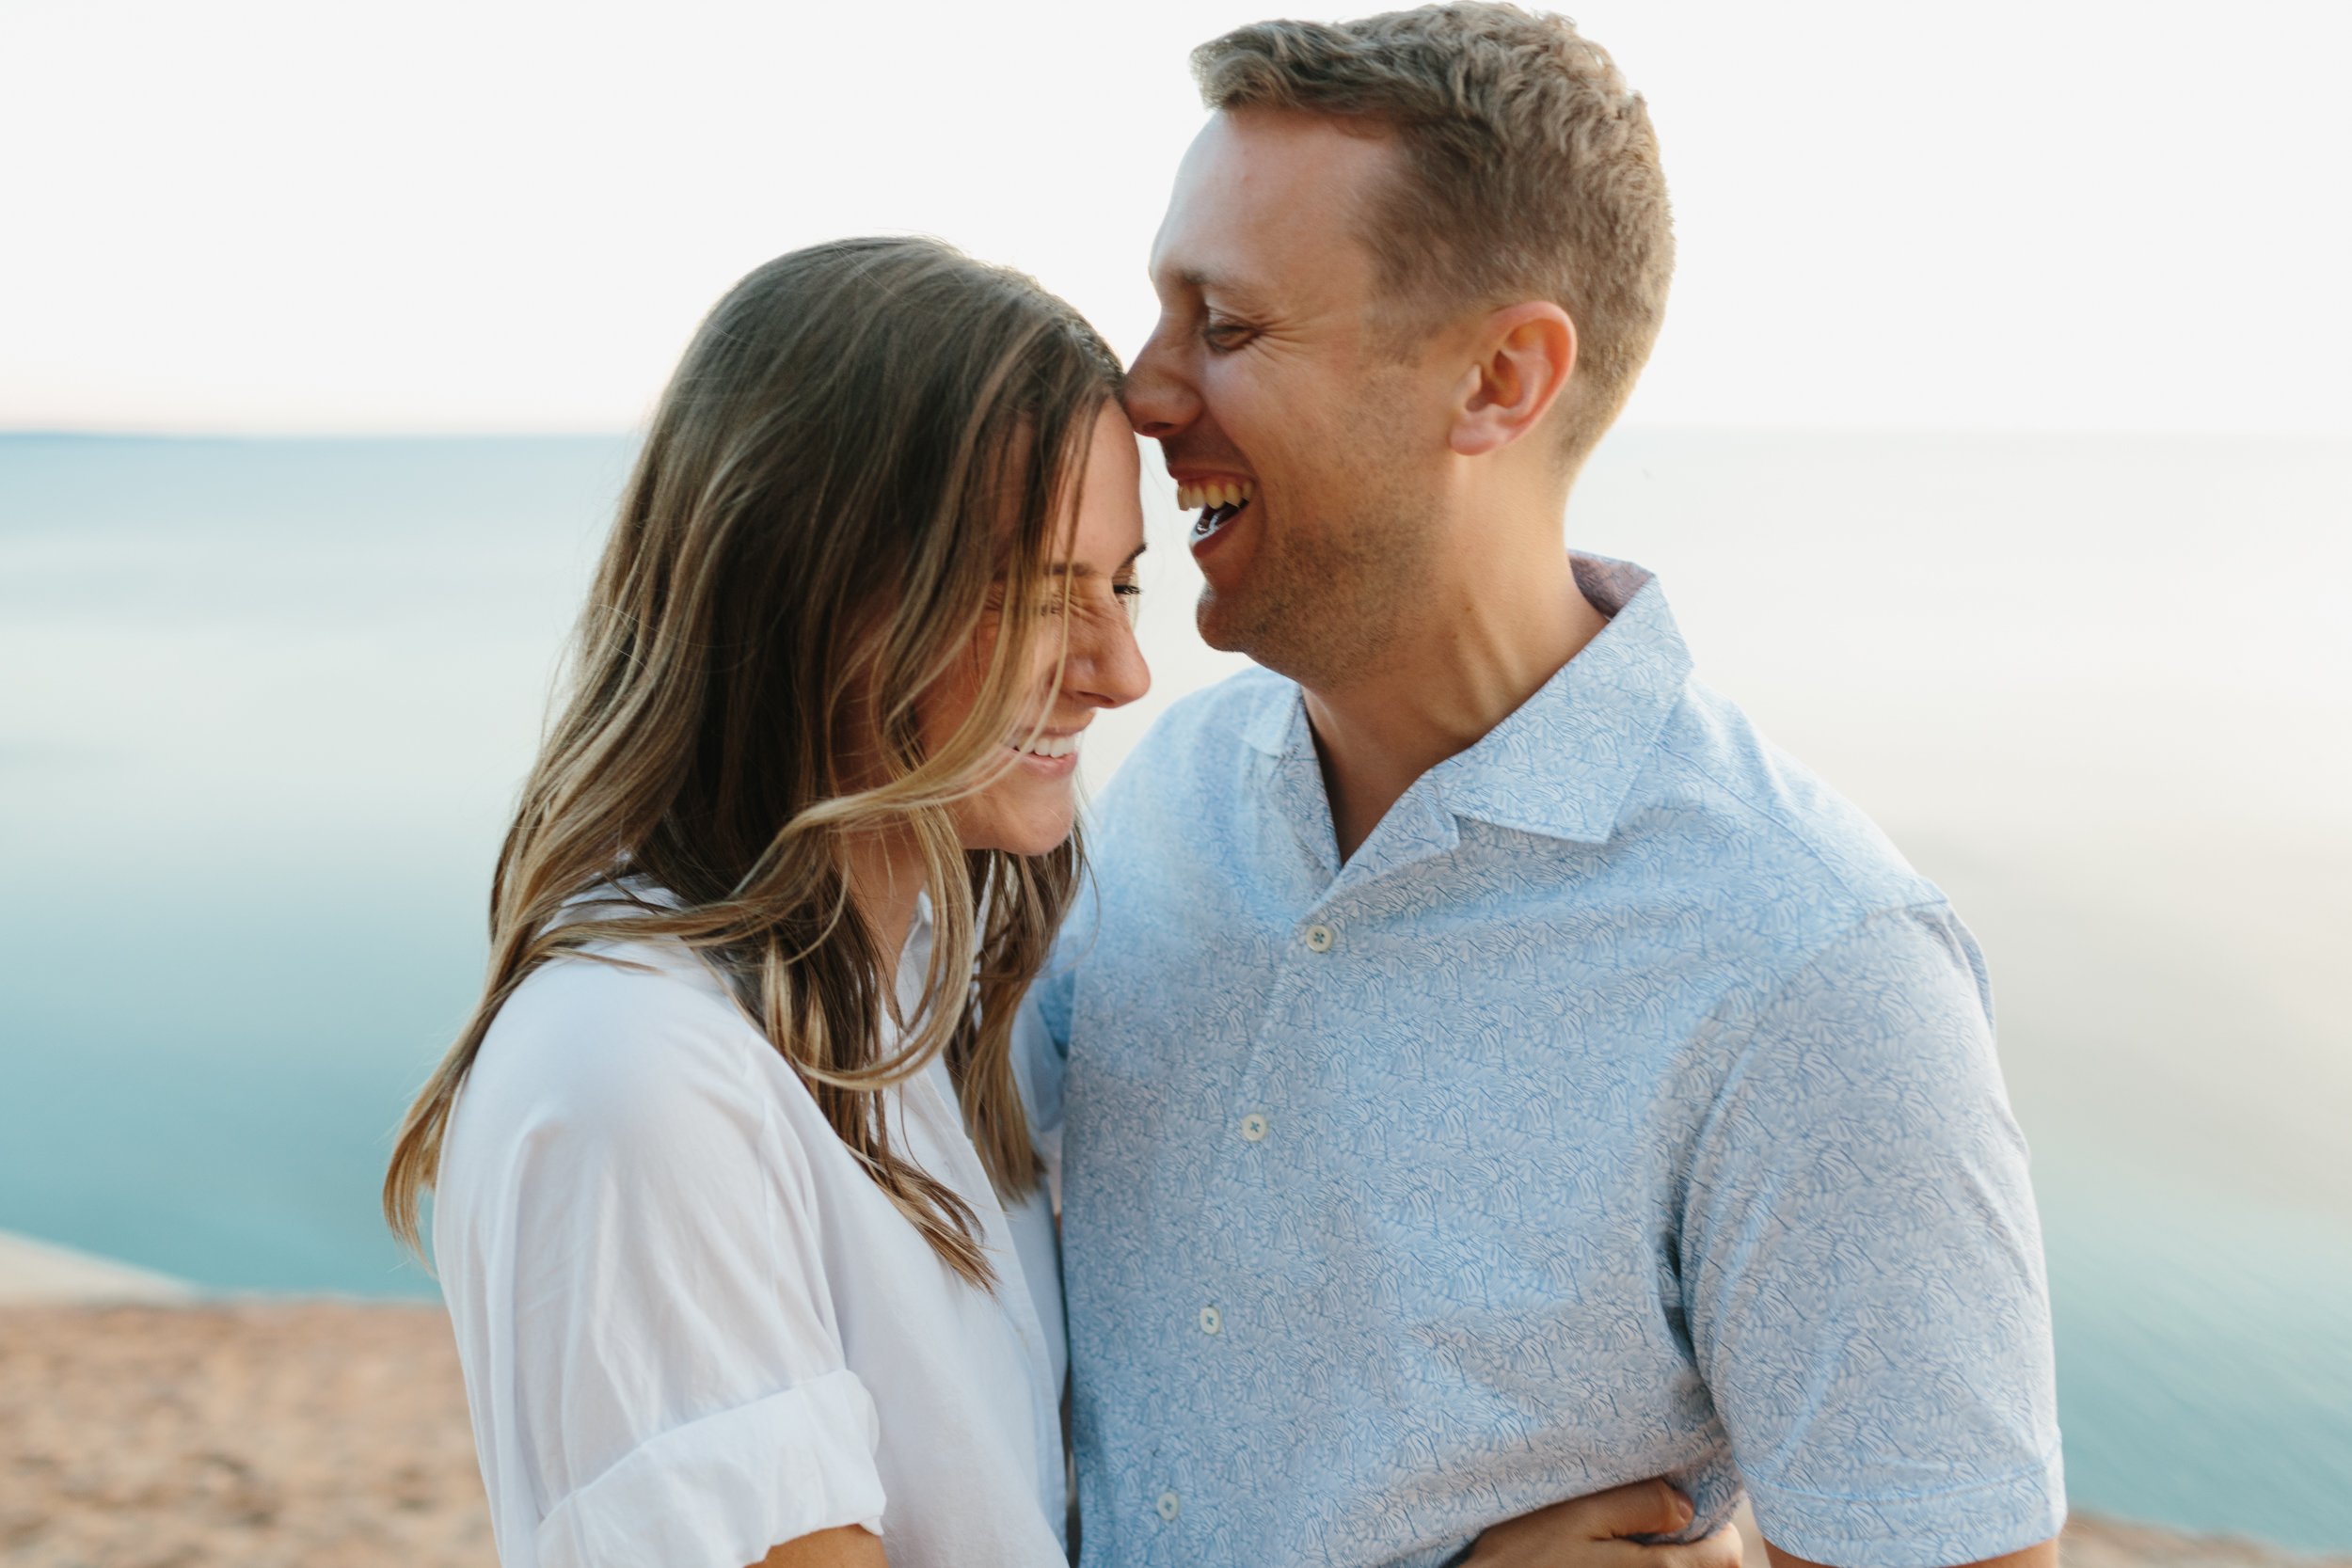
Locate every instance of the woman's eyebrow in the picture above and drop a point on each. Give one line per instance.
(1082, 570)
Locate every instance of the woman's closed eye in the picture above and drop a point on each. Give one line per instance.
(1126, 596)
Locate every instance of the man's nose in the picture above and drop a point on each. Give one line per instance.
(1159, 396)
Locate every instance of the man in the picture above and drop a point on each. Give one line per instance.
(1493, 1074)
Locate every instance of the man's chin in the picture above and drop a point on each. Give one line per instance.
(1260, 633)
(1222, 626)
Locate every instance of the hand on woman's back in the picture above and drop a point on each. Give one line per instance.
(1595, 1531)
(1584, 1533)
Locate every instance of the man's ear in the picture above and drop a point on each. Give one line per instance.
(1526, 353)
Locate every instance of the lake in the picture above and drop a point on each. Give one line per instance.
(268, 703)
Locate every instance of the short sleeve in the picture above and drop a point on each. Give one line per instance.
(629, 1244)
(1862, 1264)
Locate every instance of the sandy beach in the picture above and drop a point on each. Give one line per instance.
(310, 1435)
(182, 1434)
(42, 1272)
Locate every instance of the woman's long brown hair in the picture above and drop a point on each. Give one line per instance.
(860, 460)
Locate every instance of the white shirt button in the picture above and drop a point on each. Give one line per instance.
(1253, 1126)
(1211, 1320)
(1168, 1505)
(1319, 938)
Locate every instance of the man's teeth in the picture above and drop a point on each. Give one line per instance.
(1194, 498)
(1048, 746)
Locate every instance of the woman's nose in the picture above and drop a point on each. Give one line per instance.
(1107, 669)
(1159, 399)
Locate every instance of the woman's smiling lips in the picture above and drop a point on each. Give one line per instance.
(1053, 753)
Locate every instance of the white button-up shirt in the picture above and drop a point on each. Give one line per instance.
(691, 1325)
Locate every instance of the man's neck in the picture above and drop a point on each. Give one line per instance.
(1450, 677)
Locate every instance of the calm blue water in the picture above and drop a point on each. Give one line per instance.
(266, 704)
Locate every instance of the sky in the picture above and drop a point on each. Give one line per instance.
(493, 217)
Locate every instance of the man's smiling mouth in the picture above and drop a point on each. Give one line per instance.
(1220, 501)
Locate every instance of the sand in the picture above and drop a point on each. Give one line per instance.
(333, 1434)
(316, 1434)
(35, 1271)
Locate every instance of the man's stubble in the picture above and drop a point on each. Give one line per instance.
(1333, 593)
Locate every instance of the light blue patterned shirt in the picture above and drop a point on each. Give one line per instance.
(1625, 1106)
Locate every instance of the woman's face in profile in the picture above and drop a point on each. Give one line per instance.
(1027, 809)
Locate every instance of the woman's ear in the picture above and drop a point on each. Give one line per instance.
(1526, 353)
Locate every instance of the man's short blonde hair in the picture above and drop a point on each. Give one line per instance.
(1531, 171)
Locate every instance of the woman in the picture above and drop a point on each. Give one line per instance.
(736, 1211)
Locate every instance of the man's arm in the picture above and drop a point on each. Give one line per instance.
(2043, 1556)
(1593, 1532)
(1861, 1265)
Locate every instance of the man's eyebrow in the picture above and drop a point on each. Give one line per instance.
(1084, 570)
(1203, 282)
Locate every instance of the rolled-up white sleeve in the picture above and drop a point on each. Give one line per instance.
(630, 1248)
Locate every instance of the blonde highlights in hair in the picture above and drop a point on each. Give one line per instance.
(859, 462)
(1531, 171)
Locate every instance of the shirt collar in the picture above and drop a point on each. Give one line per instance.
(1563, 763)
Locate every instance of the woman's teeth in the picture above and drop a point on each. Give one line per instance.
(1048, 746)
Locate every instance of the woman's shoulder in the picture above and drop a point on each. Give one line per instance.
(623, 1128)
(633, 1043)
